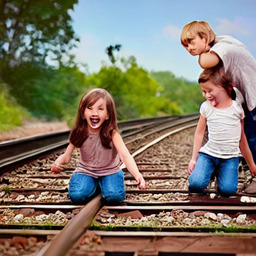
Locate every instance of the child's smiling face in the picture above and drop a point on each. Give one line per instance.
(95, 115)
(213, 93)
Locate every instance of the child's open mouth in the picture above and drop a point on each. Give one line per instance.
(95, 121)
(212, 101)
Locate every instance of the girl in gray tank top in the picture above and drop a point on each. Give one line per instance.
(102, 151)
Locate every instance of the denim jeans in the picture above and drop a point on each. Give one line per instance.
(250, 131)
(226, 169)
(83, 187)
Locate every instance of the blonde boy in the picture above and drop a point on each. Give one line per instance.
(198, 38)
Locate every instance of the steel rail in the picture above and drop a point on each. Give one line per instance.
(13, 152)
(133, 130)
(71, 234)
(139, 122)
(63, 242)
(169, 125)
(112, 238)
(73, 231)
(163, 137)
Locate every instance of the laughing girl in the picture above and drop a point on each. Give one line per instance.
(102, 152)
(224, 119)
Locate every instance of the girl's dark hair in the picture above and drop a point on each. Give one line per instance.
(79, 132)
(218, 77)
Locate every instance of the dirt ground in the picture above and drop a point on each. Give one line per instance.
(30, 128)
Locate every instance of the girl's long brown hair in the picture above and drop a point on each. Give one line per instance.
(79, 132)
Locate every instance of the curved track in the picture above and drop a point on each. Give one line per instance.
(157, 221)
(16, 152)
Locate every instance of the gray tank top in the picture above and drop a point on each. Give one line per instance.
(96, 160)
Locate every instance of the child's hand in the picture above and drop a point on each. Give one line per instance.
(191, 166)
(55, 168)
(253, 172)
(141, 182)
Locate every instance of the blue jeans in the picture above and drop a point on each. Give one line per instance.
(83, 187)
(227, 174)
(250, 131)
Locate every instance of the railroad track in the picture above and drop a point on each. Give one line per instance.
(15, 152)
(162, 220)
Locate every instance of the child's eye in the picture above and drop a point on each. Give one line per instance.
(191, 41)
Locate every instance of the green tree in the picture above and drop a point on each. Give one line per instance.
(32, 31)
(51, 92)
(136, 94)
(143, 93)
(187, 95)
(11, 114)
(110, 52)
(32, 35)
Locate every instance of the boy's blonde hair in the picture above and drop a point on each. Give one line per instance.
(197, 28)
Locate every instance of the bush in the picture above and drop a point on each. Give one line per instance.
(11, 114)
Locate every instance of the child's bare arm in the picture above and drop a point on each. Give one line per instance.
(128, 160)
(208, 60)
(62, 159)
(198, 140)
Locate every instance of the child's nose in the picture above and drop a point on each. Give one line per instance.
(207, 95)
(189, 47)
(94, 112)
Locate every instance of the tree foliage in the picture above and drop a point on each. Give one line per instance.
(11, 114)
(110, 52)
(35, 37)
(50, 92)
(136, 93)
(32, 31)
(187, 95)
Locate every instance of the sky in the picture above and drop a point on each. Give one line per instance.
(150, 30)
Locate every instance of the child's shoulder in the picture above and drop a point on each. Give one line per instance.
(239, 98)
(206, 109)
(205, 104)
(115, 133)
(238, 110)
(227, 40)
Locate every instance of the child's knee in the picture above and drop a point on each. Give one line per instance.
(78, 198)
(227, 190)
(196, 185)
(196, 188)
(114, 198)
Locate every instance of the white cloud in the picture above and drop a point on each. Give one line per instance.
(236, 27)
(171, 31)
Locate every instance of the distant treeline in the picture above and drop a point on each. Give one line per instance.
(31, 87)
